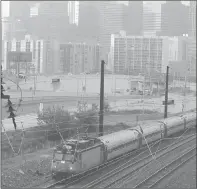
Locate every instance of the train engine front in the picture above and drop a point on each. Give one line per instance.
(64, 159)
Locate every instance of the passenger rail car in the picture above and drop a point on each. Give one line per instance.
(77, 156)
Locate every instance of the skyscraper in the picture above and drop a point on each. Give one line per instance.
(192, 19)
(151, 20)
(19, 14)
(174, 19)
(52, 20)
(73, 12)
(192, 38)
(134, 18)
(89, 19)
(19, 9)
(112, 21)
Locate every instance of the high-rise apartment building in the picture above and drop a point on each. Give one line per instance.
(138, 54)
(134, 18)
(174, 19)
(132, 54)
(79, 58)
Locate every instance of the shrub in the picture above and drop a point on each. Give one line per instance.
(57, 116)
(107, 107)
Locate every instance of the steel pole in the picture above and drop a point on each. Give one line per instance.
(101, 100)
(143, 93)
(166, 95)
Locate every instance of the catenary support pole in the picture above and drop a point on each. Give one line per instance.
(101, 100)
(166, 95)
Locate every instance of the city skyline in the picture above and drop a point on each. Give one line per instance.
(5, 6)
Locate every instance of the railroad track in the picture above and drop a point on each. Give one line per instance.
(69, 181)
(154, 179)
(129, 169)
(66, 182)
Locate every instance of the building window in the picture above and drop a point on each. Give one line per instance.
(34, 50)
(18, 46)
(28, 46)
(8, 46)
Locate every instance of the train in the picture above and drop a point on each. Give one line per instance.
(76, 156)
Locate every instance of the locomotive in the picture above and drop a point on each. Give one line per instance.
(77, 156)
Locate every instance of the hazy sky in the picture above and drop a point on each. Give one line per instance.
(5, 6)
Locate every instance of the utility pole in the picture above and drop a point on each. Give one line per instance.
(166, 95)
(101, 100)
(185, 87)
(17, 73)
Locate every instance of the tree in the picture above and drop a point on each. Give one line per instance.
(9, 104)
(53, 115)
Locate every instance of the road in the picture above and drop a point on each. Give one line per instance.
(69, 102)
(155, 104)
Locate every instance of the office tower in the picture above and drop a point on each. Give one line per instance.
(19, 9)
(112, 21)
(89, 20)
(192, 19)
(134, 18)
(174, 19)
(151, 20)
(19, 14)
(192, 38)
(73, 12)
(52, 20)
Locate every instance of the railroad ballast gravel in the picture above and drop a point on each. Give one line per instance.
(26, 174)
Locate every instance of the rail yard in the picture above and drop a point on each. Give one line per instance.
(144, 167)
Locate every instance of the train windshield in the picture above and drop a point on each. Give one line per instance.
(68, 157)
(58, 156)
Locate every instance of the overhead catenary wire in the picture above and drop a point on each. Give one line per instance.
(151, 146)
(140, 171)
(60, 130)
